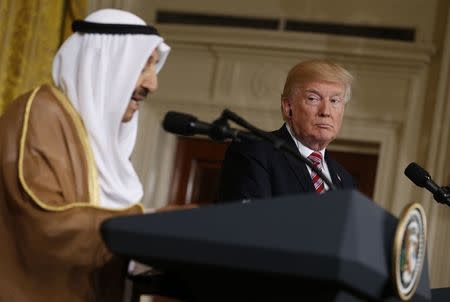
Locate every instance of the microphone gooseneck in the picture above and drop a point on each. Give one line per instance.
(420, 177)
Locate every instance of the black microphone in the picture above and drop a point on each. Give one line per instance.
(422, 178)
(187, 125)
(184, 124)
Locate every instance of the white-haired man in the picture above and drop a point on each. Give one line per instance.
(65, 162)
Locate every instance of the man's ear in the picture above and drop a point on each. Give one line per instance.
(286, 107)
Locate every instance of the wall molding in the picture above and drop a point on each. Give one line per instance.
(402, 52)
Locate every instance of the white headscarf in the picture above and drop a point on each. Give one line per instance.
(98, 73)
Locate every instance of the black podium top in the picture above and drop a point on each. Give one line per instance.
(340, 237)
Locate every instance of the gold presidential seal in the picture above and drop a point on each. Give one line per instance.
(409, 250)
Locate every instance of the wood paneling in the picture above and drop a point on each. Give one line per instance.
(196, 170)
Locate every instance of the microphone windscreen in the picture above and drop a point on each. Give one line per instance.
(179, 123)
(417, 174)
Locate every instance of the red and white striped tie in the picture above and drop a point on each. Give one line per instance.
(316, 158)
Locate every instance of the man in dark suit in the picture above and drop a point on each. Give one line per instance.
(312, 105)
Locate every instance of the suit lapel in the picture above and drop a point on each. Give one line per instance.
(335, 177)
(297, 166)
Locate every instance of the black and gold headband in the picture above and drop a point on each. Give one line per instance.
(118, 29)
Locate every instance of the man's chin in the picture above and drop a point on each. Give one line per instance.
(323, 140)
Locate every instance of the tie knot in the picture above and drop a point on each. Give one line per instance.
(316, 158)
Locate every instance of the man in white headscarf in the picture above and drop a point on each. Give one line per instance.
(65, 162)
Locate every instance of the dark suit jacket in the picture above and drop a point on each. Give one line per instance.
(259, 170)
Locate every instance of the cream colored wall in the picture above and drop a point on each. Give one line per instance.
(401, 100)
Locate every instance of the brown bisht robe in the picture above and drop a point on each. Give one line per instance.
(50, 245)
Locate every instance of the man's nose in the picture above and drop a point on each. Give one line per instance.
(151, 82)
(325, 107)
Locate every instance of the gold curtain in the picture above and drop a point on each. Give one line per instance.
(31, 32)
